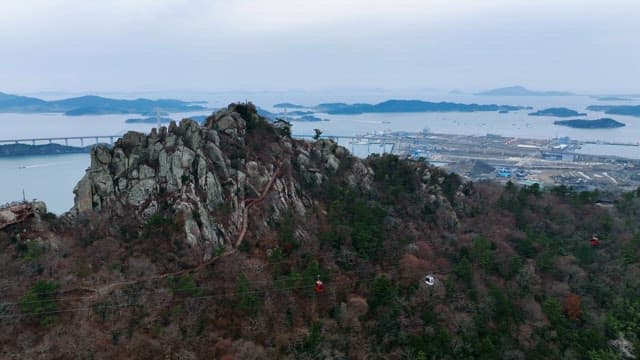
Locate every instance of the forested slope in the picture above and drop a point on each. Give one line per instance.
(226, 267)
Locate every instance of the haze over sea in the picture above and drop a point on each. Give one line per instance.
(52, 178)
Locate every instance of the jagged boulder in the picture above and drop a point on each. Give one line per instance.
(141, 171)
(231, 122)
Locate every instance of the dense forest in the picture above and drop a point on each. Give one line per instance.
(513, 274)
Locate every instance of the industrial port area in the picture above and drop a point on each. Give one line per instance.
(546, 162)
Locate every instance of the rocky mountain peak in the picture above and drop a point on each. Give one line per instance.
(208, 176)
(231, 122)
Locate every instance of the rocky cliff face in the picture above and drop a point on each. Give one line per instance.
(209, 176)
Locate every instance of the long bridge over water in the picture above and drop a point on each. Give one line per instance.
(360, 145)
(65, 139)
(373, 144)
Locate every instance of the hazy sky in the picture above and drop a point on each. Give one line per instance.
(212, 45)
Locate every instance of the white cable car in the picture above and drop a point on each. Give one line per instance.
(430, 280)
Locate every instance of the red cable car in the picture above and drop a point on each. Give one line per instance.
(319, 285)
(594, 241)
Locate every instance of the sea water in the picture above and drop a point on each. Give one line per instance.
(50, 178)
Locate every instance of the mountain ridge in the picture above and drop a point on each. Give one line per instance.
(518, 90)
(92, 105)
(402, 106)
(632, 110)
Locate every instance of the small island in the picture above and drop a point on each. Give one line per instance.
(522, 91)
(632, 110)
(93, 105)
(45, 149)
(557, 112)
(296, 113)
(612, 98)
(308, 118)
(287, 105)
(408, 106)
(604, 123)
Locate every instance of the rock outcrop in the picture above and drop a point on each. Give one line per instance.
(207, 175)
(206, 178)
(18, 212)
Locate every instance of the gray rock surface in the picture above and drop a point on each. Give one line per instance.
(196, 171)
